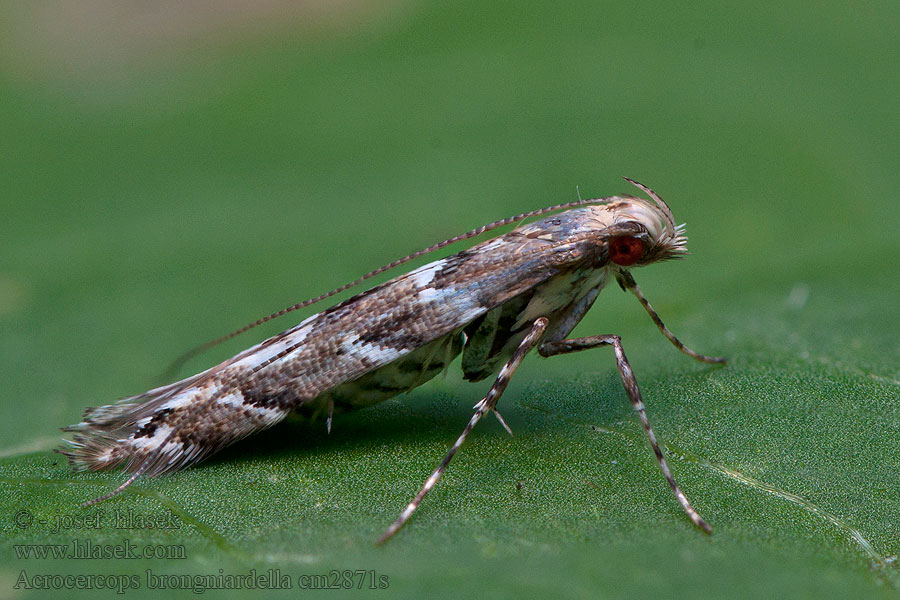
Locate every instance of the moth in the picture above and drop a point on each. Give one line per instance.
(492, 303)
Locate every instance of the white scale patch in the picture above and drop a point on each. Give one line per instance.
(232, 399)
(375, 353)
(258, 355)
(154, 441)
(424, 275)
(180, 400)
(429, 294)
(236, 400)
(422, 278)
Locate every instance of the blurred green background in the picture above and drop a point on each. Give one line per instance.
(170, 172)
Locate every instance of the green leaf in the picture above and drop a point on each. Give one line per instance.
(159, 195)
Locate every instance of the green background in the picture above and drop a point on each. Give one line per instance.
(169, 174)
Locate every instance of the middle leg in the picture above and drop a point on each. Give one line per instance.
(634, 395)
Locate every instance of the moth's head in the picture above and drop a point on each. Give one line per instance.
(640, 231)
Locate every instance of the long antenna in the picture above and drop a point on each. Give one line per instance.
(670, 226)
(181, 360)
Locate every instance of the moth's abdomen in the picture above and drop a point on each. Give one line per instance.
(397, 377)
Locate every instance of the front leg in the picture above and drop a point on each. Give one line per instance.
(628, 283)
(553, 348)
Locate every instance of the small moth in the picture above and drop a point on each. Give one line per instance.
(493, 303)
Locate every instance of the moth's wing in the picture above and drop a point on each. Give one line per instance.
(177, 425)
(386, 323)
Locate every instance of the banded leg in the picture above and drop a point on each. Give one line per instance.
(486, 404)
(119, 489)
(628, 282)
(634, 394)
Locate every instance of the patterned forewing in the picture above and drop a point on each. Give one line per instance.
(179, 424)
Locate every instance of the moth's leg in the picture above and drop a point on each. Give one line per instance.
(501, 419)
(634, 394)
(425, 364)
(330, 414)
(487, 403)
(627, 282)
(119, 489)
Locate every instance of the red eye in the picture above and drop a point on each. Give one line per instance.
(625, 250)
